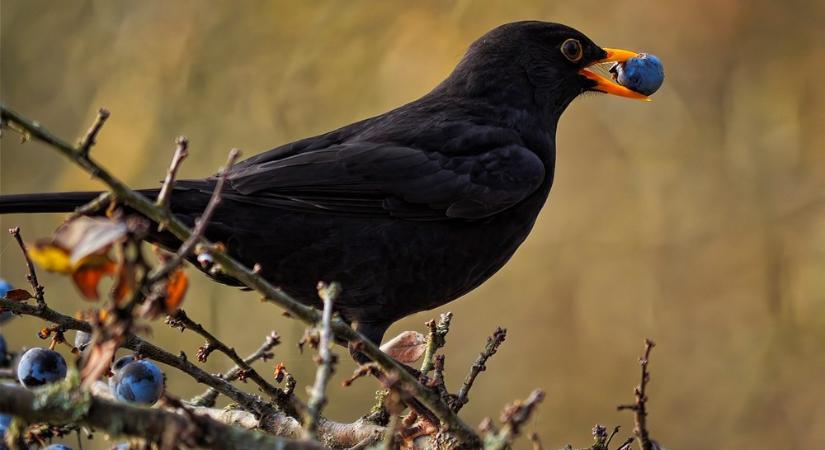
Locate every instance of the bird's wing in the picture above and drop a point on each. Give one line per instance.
(371, 179)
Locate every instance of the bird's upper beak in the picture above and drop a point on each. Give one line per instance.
(609, 86)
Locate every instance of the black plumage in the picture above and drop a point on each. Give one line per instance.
(410, 209)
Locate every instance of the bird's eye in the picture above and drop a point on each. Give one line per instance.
(572, 50)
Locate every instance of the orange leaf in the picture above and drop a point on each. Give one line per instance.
(125, 282)
(86, 278)
(175, 290)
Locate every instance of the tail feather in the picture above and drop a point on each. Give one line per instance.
(52, 202)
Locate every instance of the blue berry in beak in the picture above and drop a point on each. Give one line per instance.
(643, 74)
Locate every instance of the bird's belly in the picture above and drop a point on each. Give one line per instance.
(388, 268)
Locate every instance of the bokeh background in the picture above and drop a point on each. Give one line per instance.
(697, 220)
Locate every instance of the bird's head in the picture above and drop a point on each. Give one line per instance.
(537, 63)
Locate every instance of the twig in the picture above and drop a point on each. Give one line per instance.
(107, 416)
(626, 444)
(200, 224)
(639, 407)
(514, 416)
(89, 139)
(247, 276)
(326, 361)
(493, 342)
(435, 340)
(288, 403)
(31, 275)
(145, 348)
(536, 441)
(181, 152)
(263, 352)
(101, 201)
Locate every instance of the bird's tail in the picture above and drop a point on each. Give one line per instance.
(51, 202)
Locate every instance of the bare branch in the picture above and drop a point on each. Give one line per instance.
(31, 275)
(286, 402)
(435, 340)
(639, 407)
(493, 342)
(200, 224)
(181, 152)
(514, 416)
(326, 361)
(88, 140)
(101, 201)
(263, 352)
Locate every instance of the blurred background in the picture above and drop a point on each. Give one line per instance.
(697, 220)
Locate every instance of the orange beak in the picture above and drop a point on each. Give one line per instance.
(609, 86)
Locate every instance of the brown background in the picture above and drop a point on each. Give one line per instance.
(697, 219)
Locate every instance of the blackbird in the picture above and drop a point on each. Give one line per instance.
(412, 208)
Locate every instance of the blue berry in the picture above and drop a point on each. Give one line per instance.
(5, 421)
(81, 340)
(39, 366)
(3, 351)
(116, 367)
(5, 287)
(139, 381)
(57, 447)
(643, 74)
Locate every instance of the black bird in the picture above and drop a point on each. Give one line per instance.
(415, 207)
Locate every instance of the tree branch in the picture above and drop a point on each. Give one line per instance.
(89, 139)
(149, 423)
(326, 361)
(181, 152)
(263, 352)
(287, 403)
(639, 407)
(493, 342)
(133, 342)
(39, 294)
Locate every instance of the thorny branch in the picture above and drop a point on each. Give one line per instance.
(89, 139)
(149, 350)
(493, 342)
(200, 224)
(435, 340)
(182, 321)
(639, 407)
(31, 275)
(326, 361)
(153, 424)
(243, 274)
(181, 152)
(514, 416)
(264, 352)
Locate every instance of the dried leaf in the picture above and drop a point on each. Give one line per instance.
(407, 347)
(98, 361)
(87, 236)
(18, 295)
(126, 282)
(175, 290)
(50, 257)
(87, 278)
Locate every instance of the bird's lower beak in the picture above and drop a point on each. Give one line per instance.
(608, 86)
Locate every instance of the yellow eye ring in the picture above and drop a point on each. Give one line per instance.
(572, 50)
